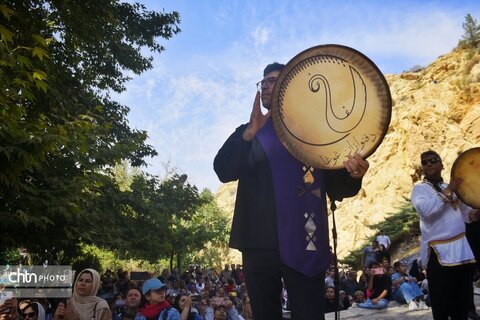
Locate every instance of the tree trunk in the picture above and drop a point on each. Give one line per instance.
(179, 263)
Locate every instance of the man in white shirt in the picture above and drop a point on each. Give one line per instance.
(444, 249)
(383, 239)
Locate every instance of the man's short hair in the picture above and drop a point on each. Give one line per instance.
(273, 67)
(430, 153)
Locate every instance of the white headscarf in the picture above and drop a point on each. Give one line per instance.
(40, 310)
(85, 306)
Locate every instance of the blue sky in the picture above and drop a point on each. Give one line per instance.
(202, 87)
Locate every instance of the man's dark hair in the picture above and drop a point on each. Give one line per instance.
(430, 153)
(273, 67)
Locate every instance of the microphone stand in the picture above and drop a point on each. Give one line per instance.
(336, 279)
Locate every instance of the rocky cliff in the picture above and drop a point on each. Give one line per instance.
(435, 108)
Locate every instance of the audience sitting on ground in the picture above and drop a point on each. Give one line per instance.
(359, 297)
(350, 284)
(343, 300)
(225, 273)
(377, 289)
(239, 278)
(329, 279)
(362, 283)
(232, 312)
(200, 284)
(231, 286)
(132, 305)
(183, 304)
(154, 292)
(84, 304)
(330, 305)
(117, 305)
(230, 301)
(385, 264)
(416, 271)
(150, 302)
(220, 312)
(424, 288)
(34, 311)
(164, 276)
(405, 288)
(192, 288)
(108, 285)
(341, 275)
(205, 310)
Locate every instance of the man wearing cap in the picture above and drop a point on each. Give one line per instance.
(280, 222)
(405, 288)
(444, 248)
(156, 307)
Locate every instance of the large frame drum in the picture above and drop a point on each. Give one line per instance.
(329, 102)
(467, 168)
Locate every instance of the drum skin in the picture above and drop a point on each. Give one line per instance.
(467, 168)
(329, 102)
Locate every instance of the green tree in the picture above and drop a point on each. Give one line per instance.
(60, 133)
(199, 230)
(471, 37)
(164, 219)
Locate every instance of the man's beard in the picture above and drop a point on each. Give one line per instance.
(266, 104)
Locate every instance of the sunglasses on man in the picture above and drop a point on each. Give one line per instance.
(431, 161)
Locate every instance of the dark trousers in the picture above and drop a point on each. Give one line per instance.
(473, 237)
(450, 289)
(264, 271)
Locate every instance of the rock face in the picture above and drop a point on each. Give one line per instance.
(437, 108)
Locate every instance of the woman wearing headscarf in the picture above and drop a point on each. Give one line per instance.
(34, 311)
(84, 305)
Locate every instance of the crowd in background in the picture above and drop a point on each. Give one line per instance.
(196, 294)
(379, 282)
(205, 294)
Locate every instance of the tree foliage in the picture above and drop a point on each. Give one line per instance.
(60, 133)
(198, 231)
(471, 37)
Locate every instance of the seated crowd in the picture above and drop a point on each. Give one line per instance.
(378, 284)
(206, 295)
(193, 295)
